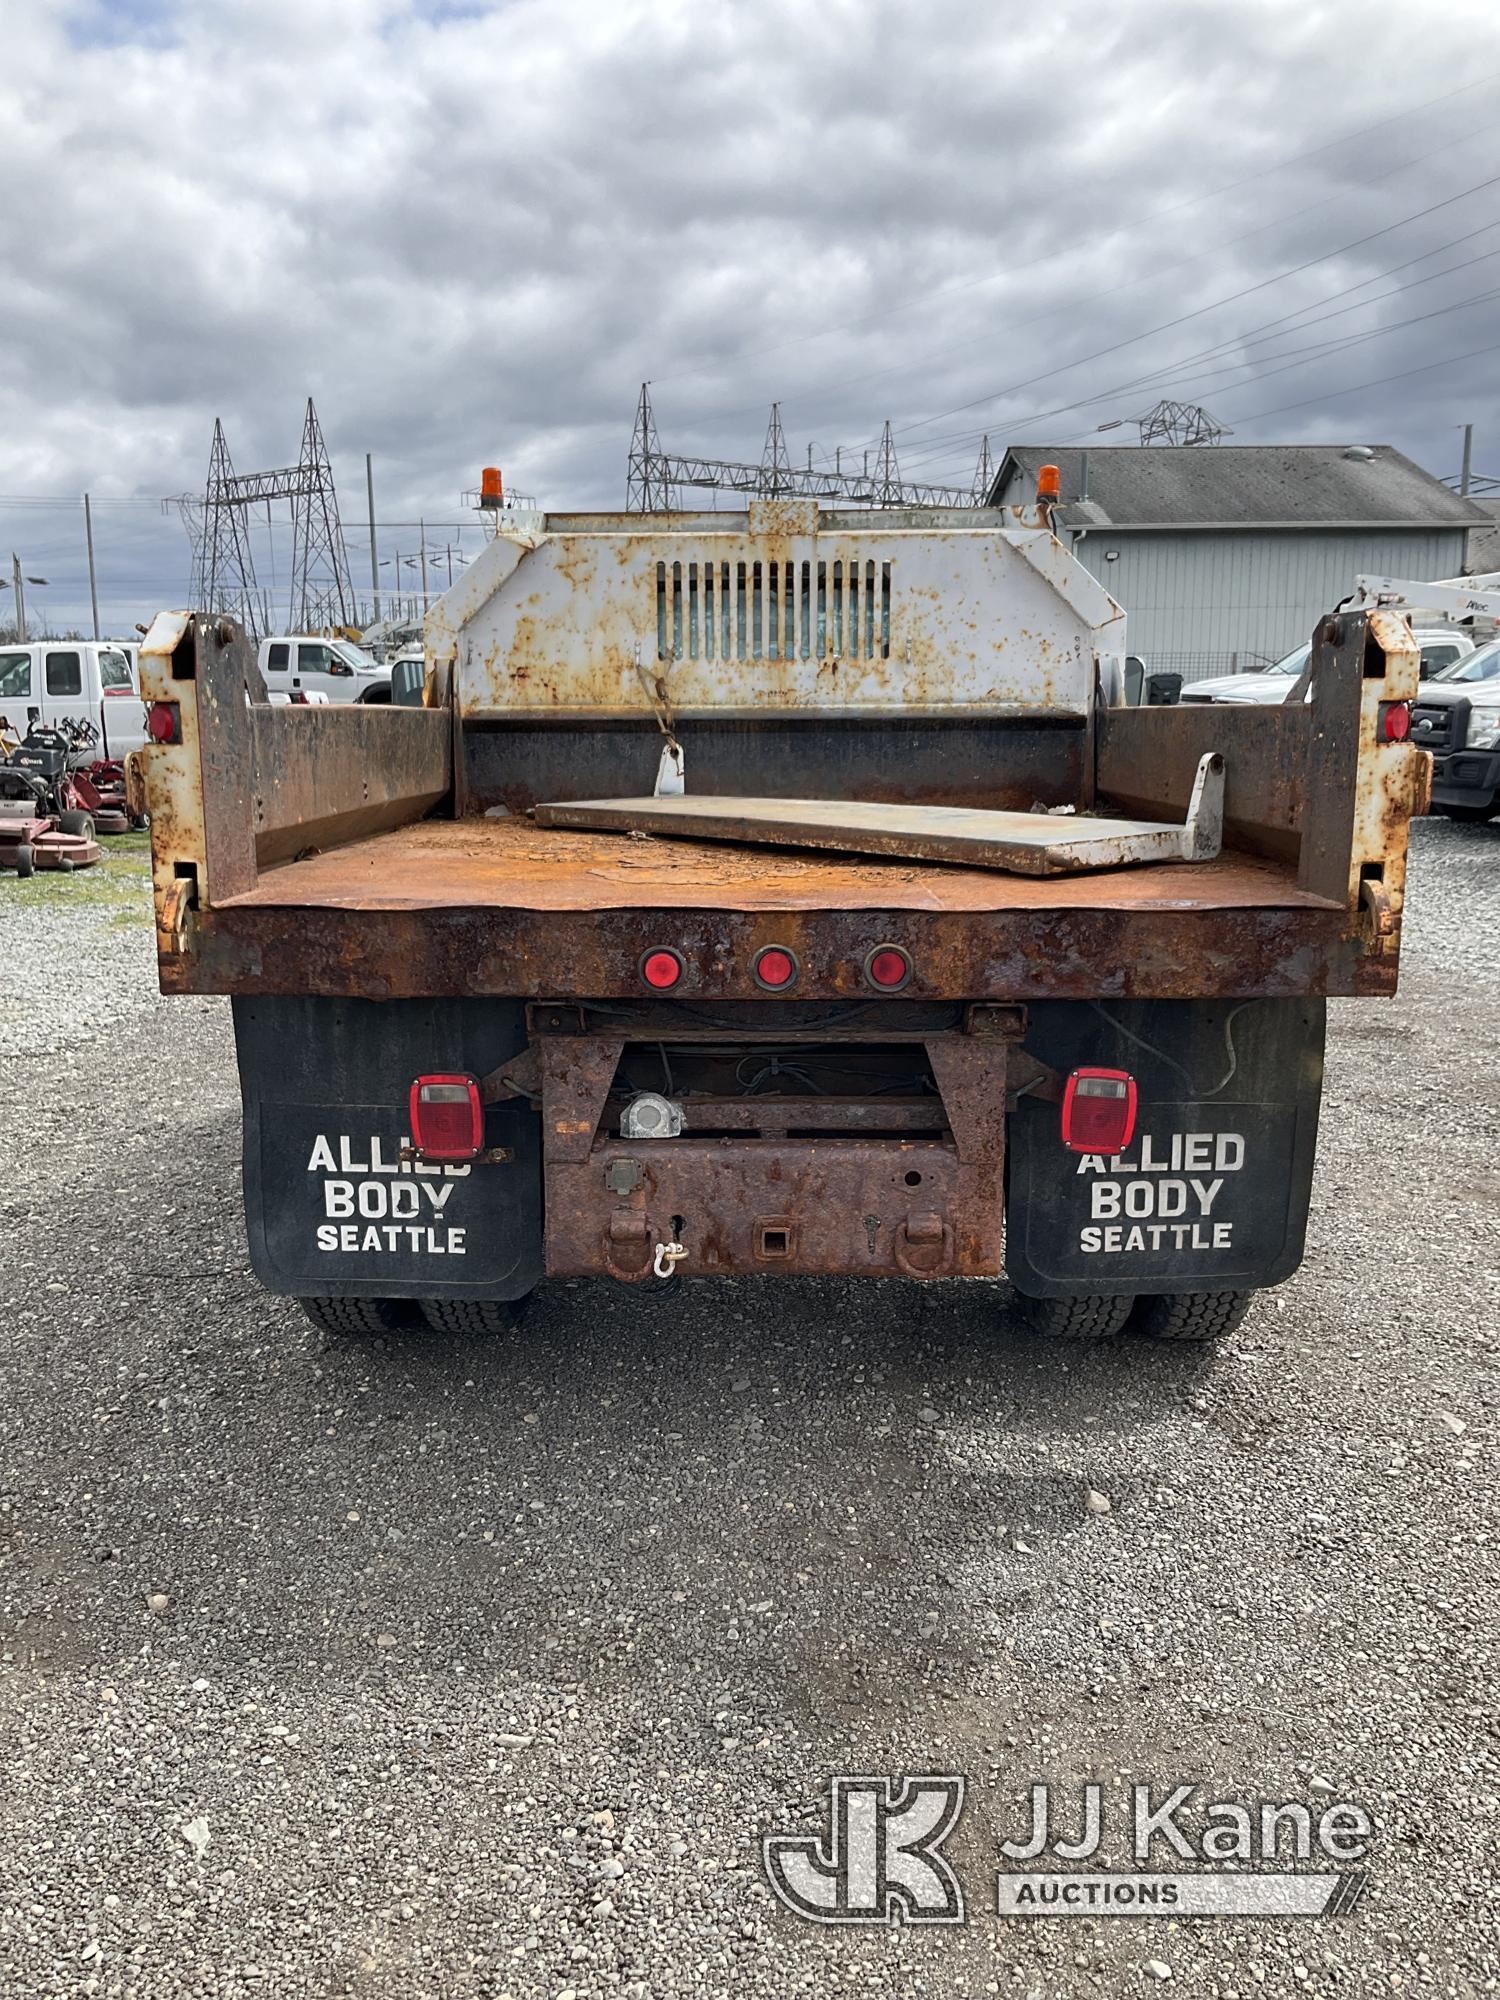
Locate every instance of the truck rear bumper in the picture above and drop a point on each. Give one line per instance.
(918, 1193)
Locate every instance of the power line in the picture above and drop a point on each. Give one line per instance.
(1379, 382)
(1072, 250)
(1155, 276)
(1185, 377)
(1182, 319)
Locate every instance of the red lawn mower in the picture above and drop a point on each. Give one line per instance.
(44, 822)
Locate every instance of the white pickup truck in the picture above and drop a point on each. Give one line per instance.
(83, 680)
(301, 665)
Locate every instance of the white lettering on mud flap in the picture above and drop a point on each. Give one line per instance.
(1164, 1196)
(377, 1201)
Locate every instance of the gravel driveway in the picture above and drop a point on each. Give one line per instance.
(438, 1667)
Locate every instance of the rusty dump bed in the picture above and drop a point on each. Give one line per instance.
(511, 864)
(502, 906)
(388, 853)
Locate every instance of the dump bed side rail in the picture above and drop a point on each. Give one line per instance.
(234, 785)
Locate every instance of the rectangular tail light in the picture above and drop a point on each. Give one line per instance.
(447, 1118)
(1098, 1111)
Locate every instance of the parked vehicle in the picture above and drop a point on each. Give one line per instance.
(337, 669)
(1457, 718)
(476, 1049)
(81, 680)
(1437, 649)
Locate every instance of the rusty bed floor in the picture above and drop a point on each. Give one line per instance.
(510, 863)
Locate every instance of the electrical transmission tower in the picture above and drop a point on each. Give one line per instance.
(1180, 423)
(984, 475)
(322, 593)
(775, 463)
(655, 474)
(647, 490)
(224, 574)
(887, 471)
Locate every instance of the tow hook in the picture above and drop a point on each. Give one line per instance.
(668, 1257)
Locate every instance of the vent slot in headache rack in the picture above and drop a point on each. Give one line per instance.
(838, 610)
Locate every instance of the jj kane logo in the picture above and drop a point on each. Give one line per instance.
(881, 1860)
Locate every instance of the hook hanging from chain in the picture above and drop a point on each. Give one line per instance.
(671, 774)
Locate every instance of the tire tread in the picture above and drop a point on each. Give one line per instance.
(468, 1316)
(357, 1316)
(1191, 1315)
(1095, 1316)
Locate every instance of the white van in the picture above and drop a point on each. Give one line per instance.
(335, 668)
(83, 679)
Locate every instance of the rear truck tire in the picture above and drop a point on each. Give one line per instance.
(1190, 1315)
(356, 1316)
(25, 862)
(1093, 1317)
(73, 821)
(469, 1316)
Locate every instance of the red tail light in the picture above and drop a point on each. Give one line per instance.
(775, 967)
(164, 722)
(661, 968)
(1394, 724)
(447, 1118)
(1098, 1111)
(887, 967)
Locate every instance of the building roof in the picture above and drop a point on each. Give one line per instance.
(1239, 486)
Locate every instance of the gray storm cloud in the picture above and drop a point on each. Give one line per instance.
(470, 232)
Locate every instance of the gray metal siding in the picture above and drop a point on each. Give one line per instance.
(1198, 603)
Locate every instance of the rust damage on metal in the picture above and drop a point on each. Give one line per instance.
(910, 1188)
(1017, 955)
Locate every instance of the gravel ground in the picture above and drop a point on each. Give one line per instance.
(439, 1667)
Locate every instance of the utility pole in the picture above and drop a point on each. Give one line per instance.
(1463, 477)
(88, 530)
(422, 530)
(20, 597)
(374, 559)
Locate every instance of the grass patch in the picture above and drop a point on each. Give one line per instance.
(121, 881)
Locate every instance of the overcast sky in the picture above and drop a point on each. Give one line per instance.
(470, 231)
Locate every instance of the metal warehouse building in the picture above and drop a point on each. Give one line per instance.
(1224, 556)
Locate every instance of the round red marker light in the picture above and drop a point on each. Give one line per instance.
(775, 967)
(162, 719)
(888, 967)
(661, 969)
(1395, 722)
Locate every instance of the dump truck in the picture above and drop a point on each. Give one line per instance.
(649, 946)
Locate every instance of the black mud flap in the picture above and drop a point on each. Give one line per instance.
(331, 1208)
(1212, 1192)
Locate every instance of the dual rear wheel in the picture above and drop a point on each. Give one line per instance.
(1167, 1316)
(365, 1316)
(1196, 1316)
